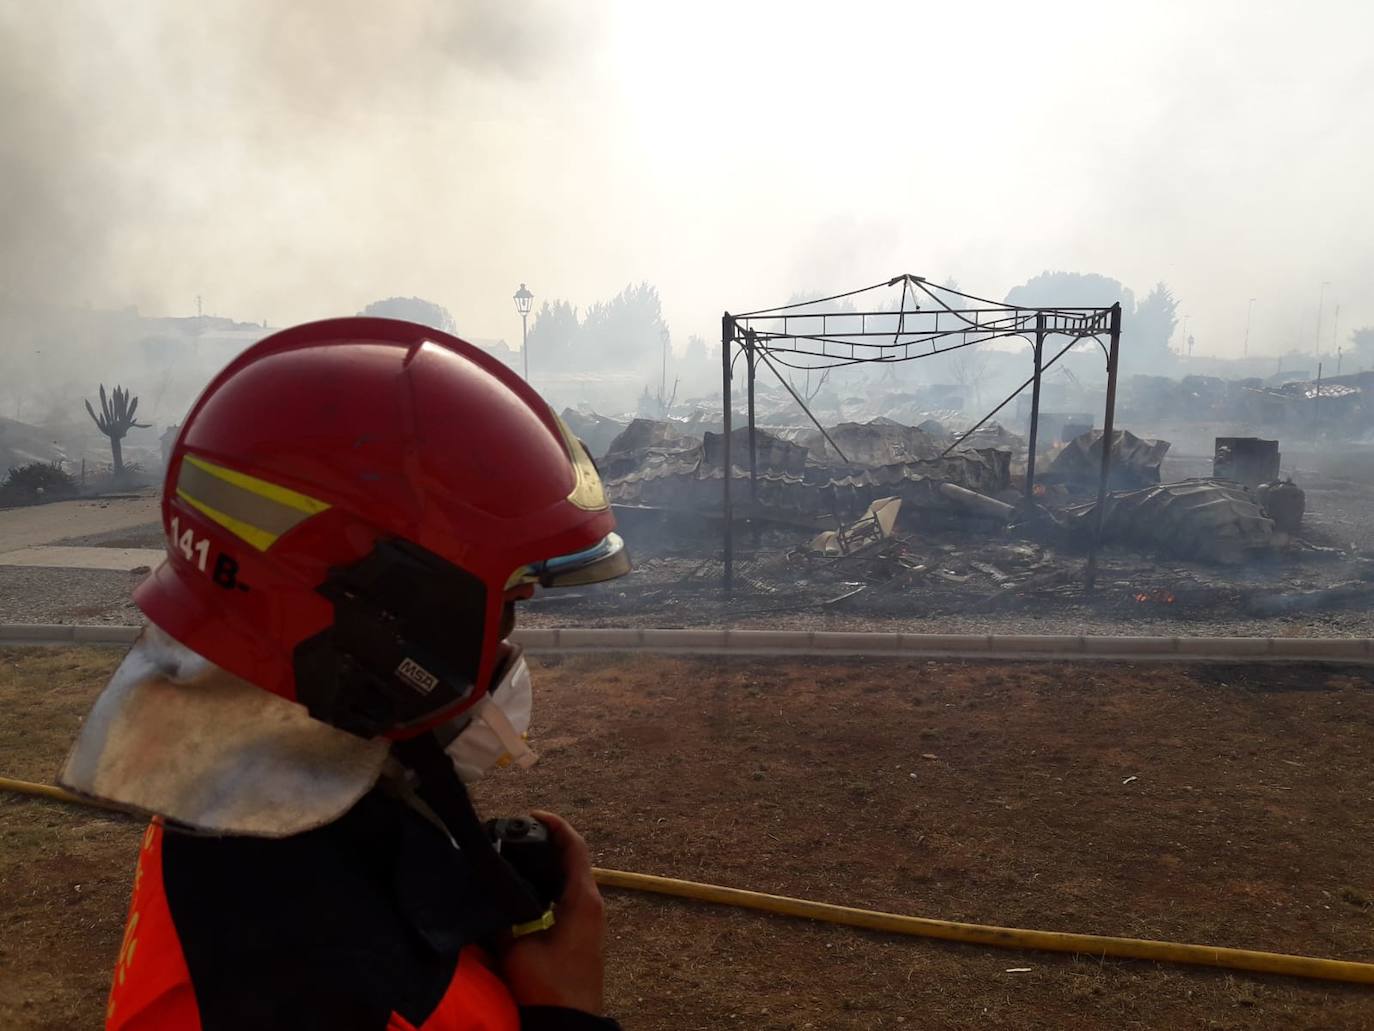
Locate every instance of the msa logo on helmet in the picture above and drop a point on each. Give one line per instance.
(417, 676)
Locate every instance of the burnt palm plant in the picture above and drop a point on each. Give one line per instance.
(116, 418)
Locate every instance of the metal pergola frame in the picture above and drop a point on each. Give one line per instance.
(828, 340)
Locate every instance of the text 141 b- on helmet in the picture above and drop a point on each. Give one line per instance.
(348, 507)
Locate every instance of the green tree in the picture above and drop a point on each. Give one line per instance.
(553, 333)
(1072, 290)
(1150, 329)
(697, 354)
(624, 333)
(411, 309)
(1362, 340)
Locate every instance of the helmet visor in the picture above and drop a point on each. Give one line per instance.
(604, 560)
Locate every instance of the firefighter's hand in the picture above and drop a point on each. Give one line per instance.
(563, 965)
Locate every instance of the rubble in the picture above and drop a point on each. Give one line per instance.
(994, 435)
(879, 442)
(1284, 502)
(1135, 461)
(645, 445)
(792, 487)
(977, 504)
(595, 431)
(876, 525)
(1247, 460)
(1205, 520)
(883, 441)
(642, 434)
(903, 530)
(1061, 427)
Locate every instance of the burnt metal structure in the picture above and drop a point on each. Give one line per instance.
(930, 320)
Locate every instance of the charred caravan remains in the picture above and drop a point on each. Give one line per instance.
(930, 320)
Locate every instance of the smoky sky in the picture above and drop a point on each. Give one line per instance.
(292, 161)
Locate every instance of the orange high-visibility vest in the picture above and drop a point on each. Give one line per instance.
(155, 988)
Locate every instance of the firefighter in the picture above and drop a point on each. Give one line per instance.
(352, 509)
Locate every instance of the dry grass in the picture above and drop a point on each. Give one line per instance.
(1246, 826)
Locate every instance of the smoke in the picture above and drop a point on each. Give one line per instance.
(287, 161)
(61, 195)
(243, 151)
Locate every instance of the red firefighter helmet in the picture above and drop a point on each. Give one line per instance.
(348, 507)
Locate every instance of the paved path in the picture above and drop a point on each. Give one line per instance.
(42, 524)
(118, 559)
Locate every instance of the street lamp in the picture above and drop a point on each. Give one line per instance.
(1321, 303)
(663, 380)
(523, 299)
(1249, 310)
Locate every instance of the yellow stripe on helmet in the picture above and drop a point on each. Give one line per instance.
(253, 509)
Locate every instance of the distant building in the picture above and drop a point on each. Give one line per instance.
(206, 339)
(168, 441)
(499, 350)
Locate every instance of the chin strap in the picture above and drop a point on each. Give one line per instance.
(441, 789)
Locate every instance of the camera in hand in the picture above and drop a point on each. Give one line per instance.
(524, 843)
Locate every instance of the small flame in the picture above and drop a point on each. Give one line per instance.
(1159, 596)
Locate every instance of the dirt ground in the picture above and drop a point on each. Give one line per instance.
(44, 524)
(1224, 805)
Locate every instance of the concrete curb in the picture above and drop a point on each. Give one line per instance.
(1066, 648)
(62, 633)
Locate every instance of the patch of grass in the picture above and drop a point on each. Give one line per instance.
(45, 693)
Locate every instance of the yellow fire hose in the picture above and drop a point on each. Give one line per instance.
(999, 937)
(923, 927)
(49, 791)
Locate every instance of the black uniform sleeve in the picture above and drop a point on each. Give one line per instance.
(334, 928)
(556, 1018)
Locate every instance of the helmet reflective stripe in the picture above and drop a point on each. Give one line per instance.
(587, 494)
(250, 508)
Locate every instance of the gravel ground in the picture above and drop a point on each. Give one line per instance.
(1077, 619)
(147, 536)
(35, 595)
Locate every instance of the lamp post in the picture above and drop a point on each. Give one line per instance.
(1321, 303)
(663, 379)
(523, 299)
(1249, 310)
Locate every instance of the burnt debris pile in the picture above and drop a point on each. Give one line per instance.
(885, 518)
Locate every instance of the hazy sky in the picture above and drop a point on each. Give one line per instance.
(295, 160)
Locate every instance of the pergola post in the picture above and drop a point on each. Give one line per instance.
(727, 335)
(1108, 427)
(750, 341)
(1035, 405)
